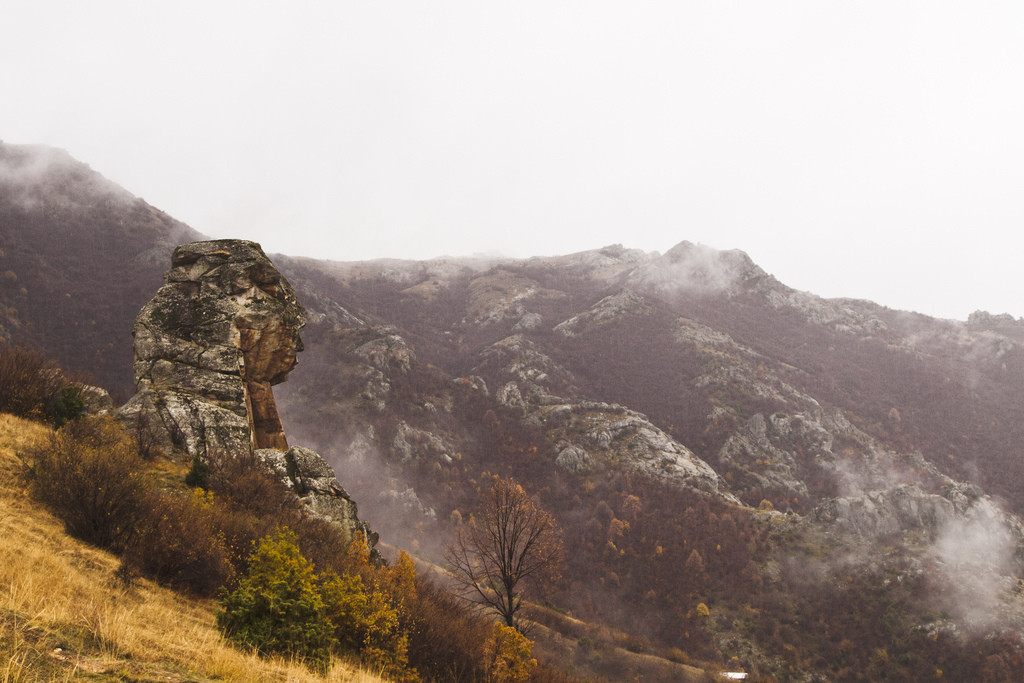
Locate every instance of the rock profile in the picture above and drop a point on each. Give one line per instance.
(221, 331)
(209, 346)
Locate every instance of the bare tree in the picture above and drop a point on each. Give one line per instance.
(510, 545)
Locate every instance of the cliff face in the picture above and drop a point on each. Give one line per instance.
(777, 393)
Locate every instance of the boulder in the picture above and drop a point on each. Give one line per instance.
(574, 459)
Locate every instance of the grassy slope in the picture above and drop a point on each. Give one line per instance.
(65, 615)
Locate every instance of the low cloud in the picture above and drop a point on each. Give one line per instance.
(974, 559)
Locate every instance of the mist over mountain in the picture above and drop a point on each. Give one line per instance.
(80, 257)
(836, 482)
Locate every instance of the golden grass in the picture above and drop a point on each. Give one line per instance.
(64, 613)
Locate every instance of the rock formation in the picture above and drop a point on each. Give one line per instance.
(221, 331)
(209, 346)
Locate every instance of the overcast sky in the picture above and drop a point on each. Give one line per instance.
(858, 148)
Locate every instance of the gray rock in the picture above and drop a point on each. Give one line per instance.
(387, 353)
(208, 347)
(625, 438)
(275, 461)
(308, 464)
(96, 399)
(509, 396)
(530, 321)
(574, 459)
(880, 513)
(411, 443)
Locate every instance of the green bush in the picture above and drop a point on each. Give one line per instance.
(198, 475)
(90, 474)
(277, 608)
(68, 405)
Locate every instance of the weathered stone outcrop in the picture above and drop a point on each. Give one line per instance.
(881, 513)
(590, 434)
(209, 346)
(312, 478)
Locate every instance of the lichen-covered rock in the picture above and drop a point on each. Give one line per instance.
(314, 481)
(624, 438)
(180, 420)
(518, 359)
(604, 311)
(389, 352)
(275, 461)
(411, 443)
(221, 331)
(574, 459)
(509, 396)
(209, 346)
(880, 513)
(96, 400)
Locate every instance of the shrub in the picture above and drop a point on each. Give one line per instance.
(374, 623)
(198, 475)
(346, 604)
(386, 645)
(66, 406)
(320, 541)
(242, 533)
(90, 474)
(447, 638)
(176, 544)
(29, 384)
(276, 608)
(507, 655)
(245, 483)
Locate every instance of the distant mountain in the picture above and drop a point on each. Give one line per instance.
(835, 482)
(80, 256)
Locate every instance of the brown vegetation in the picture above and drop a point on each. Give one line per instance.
(68, 615)
(511, 543)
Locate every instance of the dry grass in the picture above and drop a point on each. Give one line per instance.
(65, 614)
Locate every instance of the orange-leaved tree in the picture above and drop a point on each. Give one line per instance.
(510, 545)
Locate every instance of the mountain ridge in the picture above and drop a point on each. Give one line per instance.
(685, 406)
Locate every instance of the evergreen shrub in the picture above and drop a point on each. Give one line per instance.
(277, 608)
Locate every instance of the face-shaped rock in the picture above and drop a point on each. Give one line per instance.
(222, 330)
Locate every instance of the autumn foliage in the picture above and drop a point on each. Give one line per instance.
(510, 545)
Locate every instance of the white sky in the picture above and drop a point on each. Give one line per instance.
(871, 149)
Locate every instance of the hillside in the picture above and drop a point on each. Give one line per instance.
(835, 482)
(66, 615)
(79, 256)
